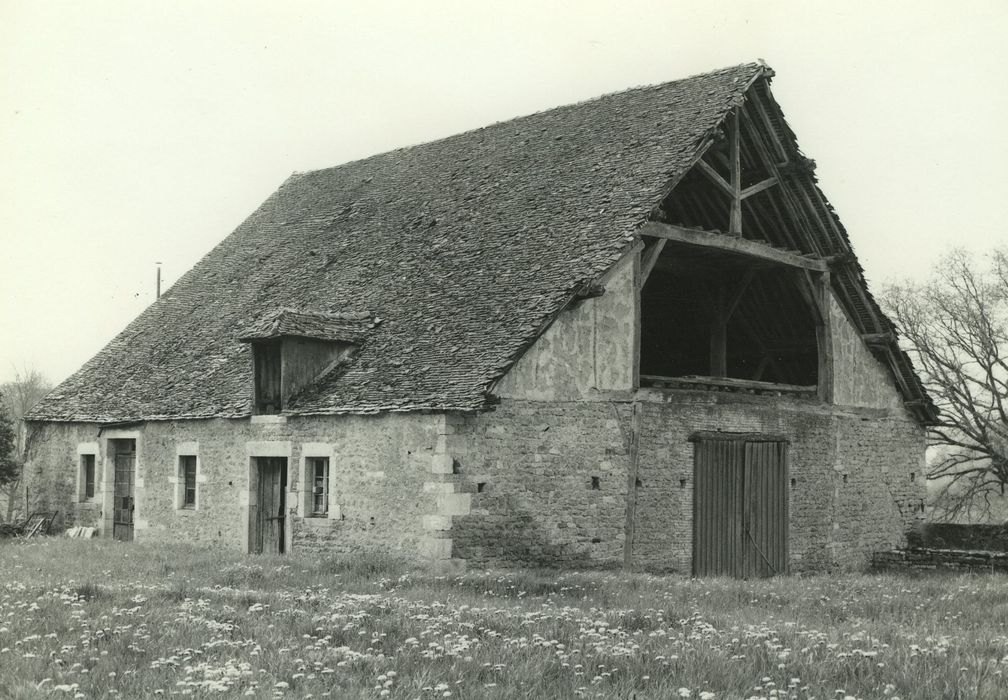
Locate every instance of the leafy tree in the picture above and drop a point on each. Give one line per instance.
(955, 327)
(10, 468)
(16, 399)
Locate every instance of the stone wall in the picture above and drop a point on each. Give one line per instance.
(590, 347)
(550, 480)
(56, 485)
(850, 484)
(858, 378)
(922, 559)
(992, 538)
(532, 482)
(548, 483)
(380, 471)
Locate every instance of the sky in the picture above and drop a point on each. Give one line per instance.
(133, 133)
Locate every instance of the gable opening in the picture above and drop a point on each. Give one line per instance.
(709, 317)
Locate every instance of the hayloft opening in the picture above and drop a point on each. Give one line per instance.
(734, 289)
(285, 366)
(267, 364)
(293, 349)
(707, 315)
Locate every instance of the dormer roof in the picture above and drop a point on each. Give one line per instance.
(349, 328)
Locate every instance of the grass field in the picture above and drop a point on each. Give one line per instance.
(98, 619)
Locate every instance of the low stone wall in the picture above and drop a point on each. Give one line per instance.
(925, 559)
(990, 538)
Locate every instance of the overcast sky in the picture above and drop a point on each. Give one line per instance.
(135, 132)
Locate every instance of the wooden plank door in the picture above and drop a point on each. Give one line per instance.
(717, 500)
(271, 511)
(765, 516)
(740, 508)
(123, 503)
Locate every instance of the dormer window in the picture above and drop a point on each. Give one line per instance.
(291, 350)
(268, 370)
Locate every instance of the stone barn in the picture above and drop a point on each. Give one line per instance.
(626, 332)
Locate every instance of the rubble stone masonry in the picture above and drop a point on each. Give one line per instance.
(379, 467)
(550, 480)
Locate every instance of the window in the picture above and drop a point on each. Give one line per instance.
(318, 472)
(87, 467)
(187, 477)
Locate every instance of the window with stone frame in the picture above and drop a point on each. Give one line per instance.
(318, 480)
(187, 481)
(87, 477)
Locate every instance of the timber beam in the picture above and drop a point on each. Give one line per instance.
(589, 291)
(758, 187)
(648, 257)
(878, 340)
(715, 177)
(734, 188)
(735, 218)
(731, 244)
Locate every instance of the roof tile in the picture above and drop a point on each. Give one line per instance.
(464, 247)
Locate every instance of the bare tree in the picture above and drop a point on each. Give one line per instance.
(18, 396)
(955, 327)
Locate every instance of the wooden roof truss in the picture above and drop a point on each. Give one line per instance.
(753, 193)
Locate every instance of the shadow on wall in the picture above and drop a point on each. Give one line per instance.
(507, 534)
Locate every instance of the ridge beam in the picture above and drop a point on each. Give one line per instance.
(731, 244)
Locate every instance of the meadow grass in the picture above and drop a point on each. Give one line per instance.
(102, 619)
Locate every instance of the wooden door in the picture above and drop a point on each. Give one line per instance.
(740, 508)
(765, 510)
(123, 504)
(717, 501)
(271, 511)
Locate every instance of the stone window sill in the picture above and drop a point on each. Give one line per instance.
(268, 419)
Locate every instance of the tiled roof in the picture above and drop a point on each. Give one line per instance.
(351, 328)
(465, 248)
